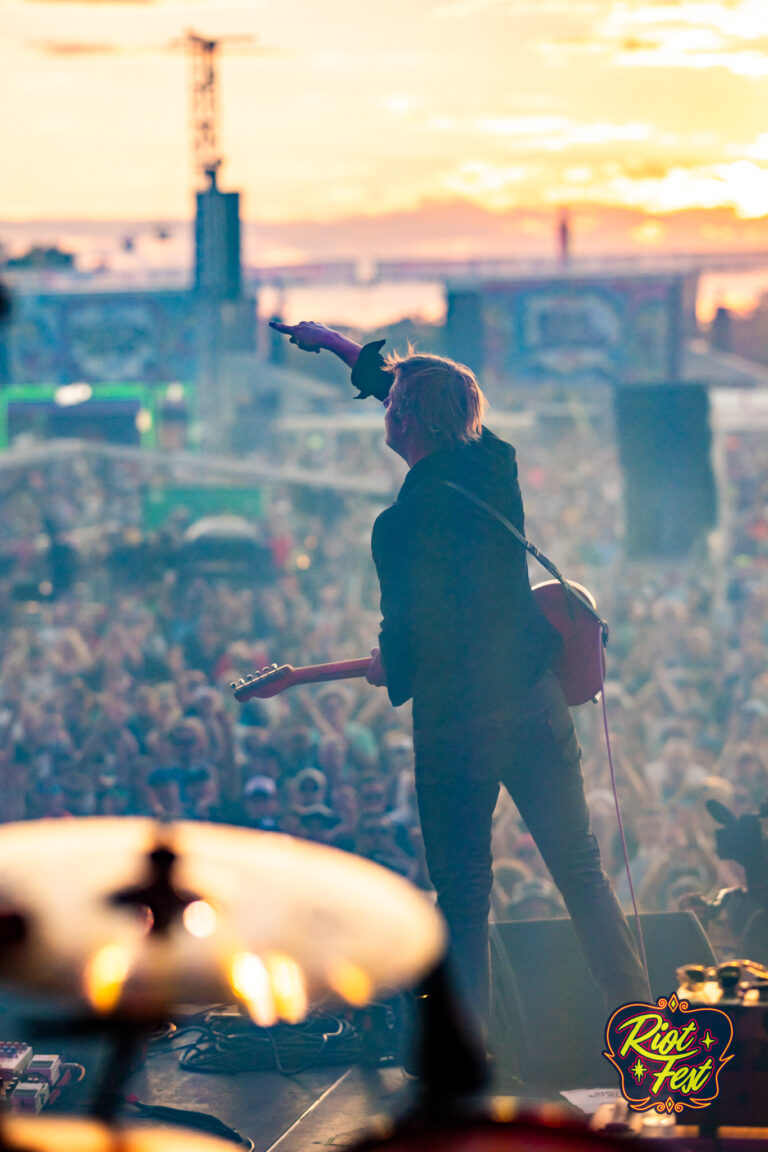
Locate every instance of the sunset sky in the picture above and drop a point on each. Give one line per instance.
(346, 107)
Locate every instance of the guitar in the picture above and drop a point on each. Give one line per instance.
(272, 680)
(580, 664)
(579, 667)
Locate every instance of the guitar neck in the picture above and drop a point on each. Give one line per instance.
(340, 670)
(271, 681)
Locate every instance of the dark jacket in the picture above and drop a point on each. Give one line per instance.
(460, 630)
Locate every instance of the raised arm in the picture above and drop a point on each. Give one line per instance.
(313, 337)
(369, 373)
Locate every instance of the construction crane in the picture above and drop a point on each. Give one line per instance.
(202, 52)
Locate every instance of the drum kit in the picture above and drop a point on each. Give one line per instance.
(124, 918)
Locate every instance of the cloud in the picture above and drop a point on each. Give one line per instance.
(738, 63)
(757, 150)
(646, 185)
(541, 133)
(692, 34)
(491, 185)
(457, 9)
(72, 48)
(741, 186)
(509, 126)
(101, 48)
(639, 44)
(556, 133)
(740, 19)
(399, 105)
(93, 2)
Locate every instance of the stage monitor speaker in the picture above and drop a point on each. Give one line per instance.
(665, 453)
(547, 1015)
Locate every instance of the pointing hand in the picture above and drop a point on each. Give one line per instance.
(307, 334)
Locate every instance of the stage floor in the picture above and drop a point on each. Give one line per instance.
(324, 1107)
(330, 1107)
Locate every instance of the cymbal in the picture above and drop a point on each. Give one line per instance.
(276, 922)
(58, 1134)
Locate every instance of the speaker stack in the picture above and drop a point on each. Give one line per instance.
(548, 1018)
(665, 445)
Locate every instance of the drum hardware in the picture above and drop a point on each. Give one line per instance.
(732, 982)
(123, 918)
(122, 915)
(740, 989)
(157, 896)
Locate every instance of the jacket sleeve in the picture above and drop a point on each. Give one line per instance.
(390, 555)
(369, 374)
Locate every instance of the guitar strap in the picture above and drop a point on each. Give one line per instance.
(534, 551)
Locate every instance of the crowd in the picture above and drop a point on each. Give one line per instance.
(114, 679)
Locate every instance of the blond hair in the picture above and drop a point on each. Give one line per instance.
(444, 397)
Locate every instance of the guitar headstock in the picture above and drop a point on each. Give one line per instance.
(263, 684)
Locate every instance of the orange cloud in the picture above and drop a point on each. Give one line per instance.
(105, 3)
(71, 47)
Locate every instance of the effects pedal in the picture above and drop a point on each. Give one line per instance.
(29, 1096)
(43, 1068)
(15, 1055)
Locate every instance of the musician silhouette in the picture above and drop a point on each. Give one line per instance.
(462, 636)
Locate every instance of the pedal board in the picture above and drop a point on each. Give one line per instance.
(28, 1079)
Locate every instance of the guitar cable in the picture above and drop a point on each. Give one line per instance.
(620, 822)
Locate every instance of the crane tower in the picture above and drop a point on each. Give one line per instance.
(205, 122)
(217, 219)
(226, 318)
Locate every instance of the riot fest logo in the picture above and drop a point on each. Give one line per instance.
(669, 1054)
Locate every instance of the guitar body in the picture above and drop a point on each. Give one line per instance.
(580, 666)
